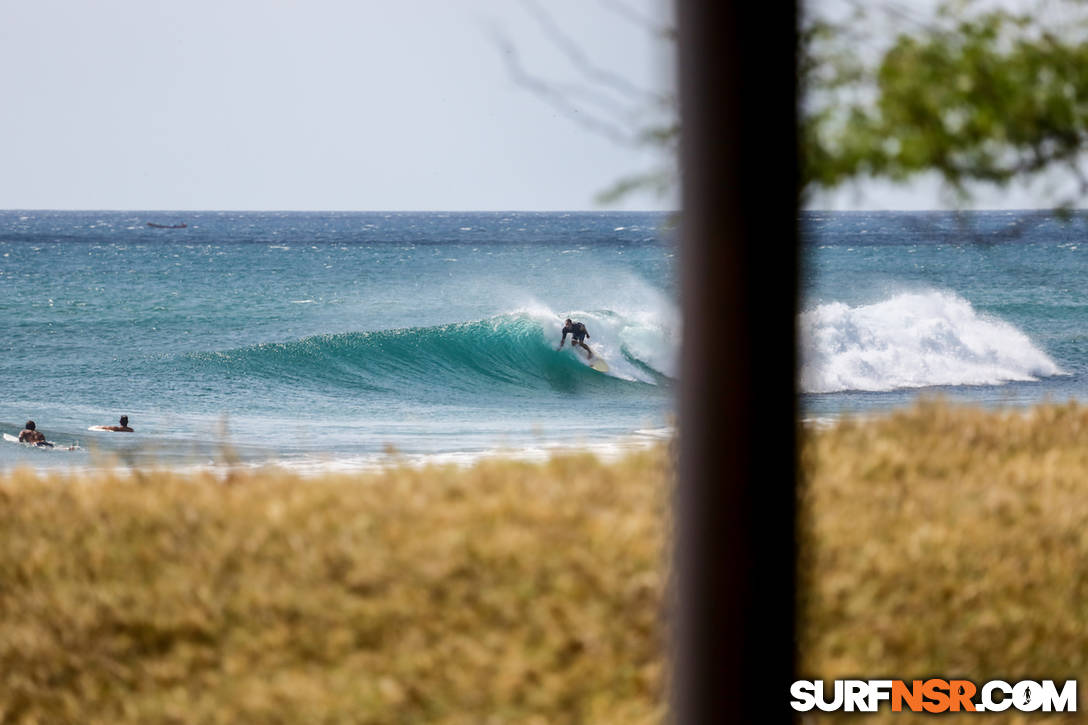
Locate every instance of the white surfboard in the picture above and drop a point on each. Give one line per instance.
(10, 438)
(599, 365)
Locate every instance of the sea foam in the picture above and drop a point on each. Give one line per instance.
(913, 340)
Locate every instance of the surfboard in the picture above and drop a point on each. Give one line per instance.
(10, 438)
(599, 365)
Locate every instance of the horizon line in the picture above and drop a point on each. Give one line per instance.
(520, 211)
(353, 211)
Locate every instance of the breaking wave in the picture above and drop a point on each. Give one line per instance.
(510, 352)
(910, 341)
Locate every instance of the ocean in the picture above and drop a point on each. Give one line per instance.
(345, 340)
(981, 308)
(332, 339)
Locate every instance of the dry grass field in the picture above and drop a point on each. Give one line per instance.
(507, 592)
(936, 541)
(946, 541)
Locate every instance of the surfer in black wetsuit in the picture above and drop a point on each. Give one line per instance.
(31, 434)
(578, 335)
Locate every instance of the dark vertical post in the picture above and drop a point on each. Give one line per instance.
(735, 554)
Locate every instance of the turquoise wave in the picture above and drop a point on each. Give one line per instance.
(511, 353)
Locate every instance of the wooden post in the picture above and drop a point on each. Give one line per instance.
(735, 556)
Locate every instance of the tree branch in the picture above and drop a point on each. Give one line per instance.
(578, 58)
(559, 99)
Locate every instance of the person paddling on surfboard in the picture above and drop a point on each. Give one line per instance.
(31, 434)
(123, 428)
(578, 335)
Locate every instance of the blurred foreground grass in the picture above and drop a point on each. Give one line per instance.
(947, 541)
(937, 541)
(505, 592)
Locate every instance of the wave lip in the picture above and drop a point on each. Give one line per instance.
(913, 340)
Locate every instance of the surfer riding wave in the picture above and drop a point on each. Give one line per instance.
(514, 350)
(578, 334)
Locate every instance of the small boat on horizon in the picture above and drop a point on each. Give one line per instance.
(153, 225)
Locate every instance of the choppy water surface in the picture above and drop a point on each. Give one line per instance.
(323, 338)
(328, 337)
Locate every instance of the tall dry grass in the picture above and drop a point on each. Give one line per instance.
(507, 592)
(947, 541)
(935, 541)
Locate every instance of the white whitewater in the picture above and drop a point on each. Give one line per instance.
(913, 340)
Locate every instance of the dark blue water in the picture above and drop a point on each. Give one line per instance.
(327, 337)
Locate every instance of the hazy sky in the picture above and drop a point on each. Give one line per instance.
(322, 104)
(342, 104)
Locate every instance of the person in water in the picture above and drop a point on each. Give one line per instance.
(578, 335)
(123, 428)
(31, 434)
